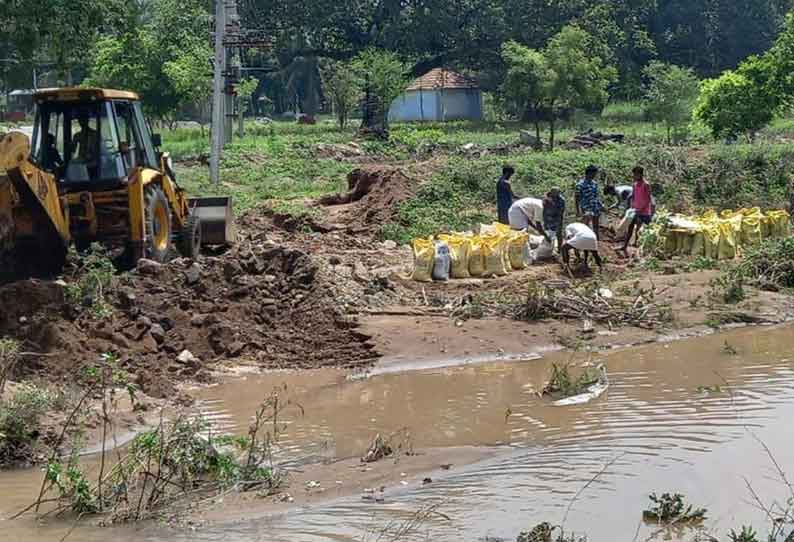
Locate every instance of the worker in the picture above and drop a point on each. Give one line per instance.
(53, 158)
(554, 215)
(504, 194)
(85, 143)
(642, 203)
(588, 204)
(622, 195)
(527, 213)
(582, 238)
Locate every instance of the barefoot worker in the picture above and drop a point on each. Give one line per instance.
(622, 195)
(588, 203)
(581, 238)
(504, 194)
(642, 203)
(554, 215)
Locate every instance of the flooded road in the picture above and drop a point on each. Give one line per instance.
(684, 417)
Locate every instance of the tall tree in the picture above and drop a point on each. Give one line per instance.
(670, 94)
(578, 76)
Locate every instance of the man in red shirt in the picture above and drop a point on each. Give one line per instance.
(642, 203)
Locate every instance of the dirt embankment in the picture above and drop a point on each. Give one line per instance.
(261, 301)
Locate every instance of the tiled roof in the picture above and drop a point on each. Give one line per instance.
(442, 78)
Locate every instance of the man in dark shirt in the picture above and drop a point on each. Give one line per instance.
(554, 214)
(504, 194)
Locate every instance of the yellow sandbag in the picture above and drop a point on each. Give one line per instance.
(476, 257)
(518, 251)
(671, 242)
(698, 244)
(779, 225)
(459, 250)
(493, 249)
(496, 228)
(752, 230)
(424, 258)
(683, 242)
(727, 244)
(711, 241)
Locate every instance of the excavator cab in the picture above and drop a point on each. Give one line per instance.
(94, 173)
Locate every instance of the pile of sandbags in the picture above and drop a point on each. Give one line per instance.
(494, 252)
(723, 236)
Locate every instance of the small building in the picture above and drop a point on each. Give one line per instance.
(439, 95)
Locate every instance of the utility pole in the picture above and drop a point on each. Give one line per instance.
(218, 98)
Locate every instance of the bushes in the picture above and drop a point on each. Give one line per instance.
(769, 265)
(19, 423)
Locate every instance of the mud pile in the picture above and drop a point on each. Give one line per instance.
(260, 302)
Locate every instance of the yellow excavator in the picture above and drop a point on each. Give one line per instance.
(93, 172)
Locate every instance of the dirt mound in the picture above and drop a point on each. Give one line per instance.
(376, 191)
(258, 302)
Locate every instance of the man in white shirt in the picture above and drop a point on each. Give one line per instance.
(580, 237)
(526, 213)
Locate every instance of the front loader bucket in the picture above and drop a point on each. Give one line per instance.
(217, 219)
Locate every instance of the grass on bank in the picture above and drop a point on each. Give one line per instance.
(278, 161)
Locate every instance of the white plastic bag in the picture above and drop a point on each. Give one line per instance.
(544, 252)
(442, 265)
(623, 227)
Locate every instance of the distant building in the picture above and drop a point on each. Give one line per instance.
(439, 95)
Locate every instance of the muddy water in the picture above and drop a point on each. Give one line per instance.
(659, 430)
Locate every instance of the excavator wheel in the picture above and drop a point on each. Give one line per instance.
(190, 239)
(158, 224)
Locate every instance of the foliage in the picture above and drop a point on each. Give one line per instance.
(728, 288)
(90, 283)
(563, 383)
(624, 112)
(769, 265)
(526, 83)
(9, 357)
(384, 76)
(747, 534)
(160, 52)
(670, 94)
(672, 510)
(344, 88)
(20, 423)
(177, 460)
(735, 103)
(566, 74)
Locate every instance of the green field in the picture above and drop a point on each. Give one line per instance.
(278, 163)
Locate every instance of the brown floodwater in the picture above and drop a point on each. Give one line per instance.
(657, 425)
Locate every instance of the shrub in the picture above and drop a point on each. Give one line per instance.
(19, 423)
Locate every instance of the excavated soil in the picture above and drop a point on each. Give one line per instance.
(260, 301)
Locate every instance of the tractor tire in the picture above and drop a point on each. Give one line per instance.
(157, 221)
(190, 239)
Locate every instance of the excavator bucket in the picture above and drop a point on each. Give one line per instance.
(217, 219)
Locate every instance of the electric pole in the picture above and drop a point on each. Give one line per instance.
(218, 88)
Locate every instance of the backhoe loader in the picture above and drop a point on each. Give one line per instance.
(94, 172)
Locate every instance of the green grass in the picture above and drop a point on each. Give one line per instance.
(279, 161)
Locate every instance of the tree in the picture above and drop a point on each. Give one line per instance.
(245, 92)
(344, 88)
(735, 104)
(526, 83)
(670, 94)
(161, 53)
(384, 77)
(578, 77)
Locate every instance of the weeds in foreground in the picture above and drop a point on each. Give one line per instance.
(769, 265)
(564, 384)
(177, 462)
(20, 423)
(670, 509)
(728, 288)
(747, 534)
(9, 357)
(90, 283)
